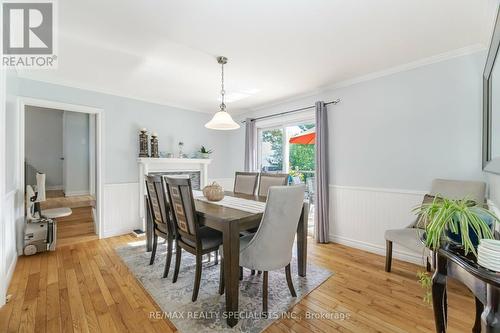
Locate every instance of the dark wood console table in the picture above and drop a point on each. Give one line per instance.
(484, 284)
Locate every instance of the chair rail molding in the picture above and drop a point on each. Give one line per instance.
(147, 165)
(359, 217)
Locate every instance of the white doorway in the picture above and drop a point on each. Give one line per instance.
(92, 142)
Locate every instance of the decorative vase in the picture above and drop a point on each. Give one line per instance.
(213, 192)
(181, 146)
(154, 145)
(143, 143)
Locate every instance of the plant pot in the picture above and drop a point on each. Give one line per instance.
(205, 155)
(456, 239)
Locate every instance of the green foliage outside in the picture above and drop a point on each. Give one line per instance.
(301, 156)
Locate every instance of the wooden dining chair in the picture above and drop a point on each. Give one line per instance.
(245, 182)
(191, 237)
(160, 212)
(270, 248)
(271, 179)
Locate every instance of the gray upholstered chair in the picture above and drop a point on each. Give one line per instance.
(271, 179)
(245, 182)
(270, 248)
(409, 237)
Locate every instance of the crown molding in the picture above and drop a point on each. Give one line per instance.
(468, 50)
(70, 84)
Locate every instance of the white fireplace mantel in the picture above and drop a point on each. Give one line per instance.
(147, 165)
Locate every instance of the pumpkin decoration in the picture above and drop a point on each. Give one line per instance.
(213, 192)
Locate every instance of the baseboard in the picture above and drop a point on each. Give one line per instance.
(411, 257)
(116, 232)
(76, 193)
(10, 273)
(54, 188)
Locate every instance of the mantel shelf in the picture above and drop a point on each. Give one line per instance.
(151, 160)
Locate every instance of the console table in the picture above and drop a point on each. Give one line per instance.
(484, 284)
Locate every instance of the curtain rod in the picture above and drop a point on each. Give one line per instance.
(338, 100)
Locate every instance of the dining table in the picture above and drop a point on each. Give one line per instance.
(231, 222)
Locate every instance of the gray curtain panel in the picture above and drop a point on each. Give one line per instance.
(250, 146)
(321, 214)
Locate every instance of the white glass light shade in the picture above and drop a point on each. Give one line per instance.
(222, 121)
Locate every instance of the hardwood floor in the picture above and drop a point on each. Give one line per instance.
(77, 227)
(85, 287)
(56, 198)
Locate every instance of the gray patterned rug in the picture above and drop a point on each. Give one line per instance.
(206, 314)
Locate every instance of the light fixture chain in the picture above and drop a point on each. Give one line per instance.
(222, 92)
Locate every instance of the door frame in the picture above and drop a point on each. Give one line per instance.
(98, 113)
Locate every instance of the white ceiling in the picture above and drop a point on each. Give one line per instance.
(164, 51)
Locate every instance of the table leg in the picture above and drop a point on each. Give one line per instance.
(439, 296)
(231, 248)
(490, 319)
(479, 311)
(302, 241)
(149, 225)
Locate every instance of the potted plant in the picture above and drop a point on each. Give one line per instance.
(460, 223)
(204, 152)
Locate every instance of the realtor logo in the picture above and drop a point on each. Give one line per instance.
(28, 34)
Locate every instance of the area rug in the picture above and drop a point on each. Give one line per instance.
(207, 313)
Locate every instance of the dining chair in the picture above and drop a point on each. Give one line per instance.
(160, 213)
(191, 237)
(271, 179)
(270, 248)
(245, 182)
(410, 236)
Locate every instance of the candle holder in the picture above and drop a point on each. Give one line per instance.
(154, 145)
(143, 143)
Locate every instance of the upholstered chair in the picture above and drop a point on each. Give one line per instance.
(191, 237)
(245, 182)
(160, 213)
(271, 179)
(409, 237)
(270, 248)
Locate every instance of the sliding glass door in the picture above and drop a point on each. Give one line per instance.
(290, 148)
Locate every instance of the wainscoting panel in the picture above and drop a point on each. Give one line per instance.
(359, 217)
(9, 236)
(121, 209)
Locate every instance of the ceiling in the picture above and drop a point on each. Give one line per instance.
(164, 51)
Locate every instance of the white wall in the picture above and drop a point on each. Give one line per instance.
(44, 143)
(76, 153)
(388, 138)
(122, 117)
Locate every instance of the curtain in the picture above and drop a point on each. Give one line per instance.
(250, 145)
(321, 214)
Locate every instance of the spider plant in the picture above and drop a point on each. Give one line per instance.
(204, 150)
(460, 217)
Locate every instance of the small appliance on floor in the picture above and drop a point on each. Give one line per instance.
(40, 229)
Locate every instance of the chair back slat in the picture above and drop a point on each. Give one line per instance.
(182, 204)
(160, 208)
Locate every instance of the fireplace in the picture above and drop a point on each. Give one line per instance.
(196, 169)
(193, 175)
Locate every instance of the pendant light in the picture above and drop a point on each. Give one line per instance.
(222, 120)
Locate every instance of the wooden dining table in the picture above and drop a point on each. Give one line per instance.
(231, 222)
